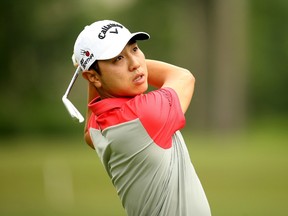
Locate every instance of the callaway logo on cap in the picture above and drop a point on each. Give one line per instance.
(107, 28)
(102, 40)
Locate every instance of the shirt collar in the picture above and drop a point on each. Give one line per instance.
(99, 106)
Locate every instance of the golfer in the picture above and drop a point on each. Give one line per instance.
(136, 134)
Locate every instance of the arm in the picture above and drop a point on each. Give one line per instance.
(92, 93)
(161, 74)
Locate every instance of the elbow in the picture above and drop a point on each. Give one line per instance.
(189, 77)
(190, 83)
(193, 80)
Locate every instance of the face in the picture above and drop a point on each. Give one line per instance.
(125, 75)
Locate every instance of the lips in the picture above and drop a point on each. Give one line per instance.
(139, 79)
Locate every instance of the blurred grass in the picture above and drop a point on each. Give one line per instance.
(243, 174)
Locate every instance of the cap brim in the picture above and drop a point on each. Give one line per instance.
(140, 36)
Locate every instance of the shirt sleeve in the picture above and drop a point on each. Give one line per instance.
(92, 122)
(160, 113)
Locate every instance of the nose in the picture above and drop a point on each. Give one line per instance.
(134, 63)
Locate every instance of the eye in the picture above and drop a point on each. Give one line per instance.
(118, 58)
(135, 48)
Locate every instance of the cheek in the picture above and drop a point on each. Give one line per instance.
(114, 83)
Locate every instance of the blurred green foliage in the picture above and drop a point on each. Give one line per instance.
(46, 169)
(37, 39)
(268, 57)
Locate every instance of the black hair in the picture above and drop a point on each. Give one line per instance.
(95, 67)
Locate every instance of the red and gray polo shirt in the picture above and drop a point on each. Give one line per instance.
(140, 145)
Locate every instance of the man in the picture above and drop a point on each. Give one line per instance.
(136, 134)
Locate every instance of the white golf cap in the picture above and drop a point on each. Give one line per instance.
(102, 40)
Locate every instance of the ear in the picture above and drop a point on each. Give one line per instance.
(93, 77)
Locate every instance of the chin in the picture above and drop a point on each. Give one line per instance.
(133, 94)
(136, 91)
(143, 89)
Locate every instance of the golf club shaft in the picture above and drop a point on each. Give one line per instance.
(78, 70)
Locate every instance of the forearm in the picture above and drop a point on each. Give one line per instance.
(159, 73)
(162, 74)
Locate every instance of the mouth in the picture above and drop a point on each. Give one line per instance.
(139, 79)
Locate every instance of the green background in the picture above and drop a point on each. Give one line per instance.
(243, 174)
(237, 123)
